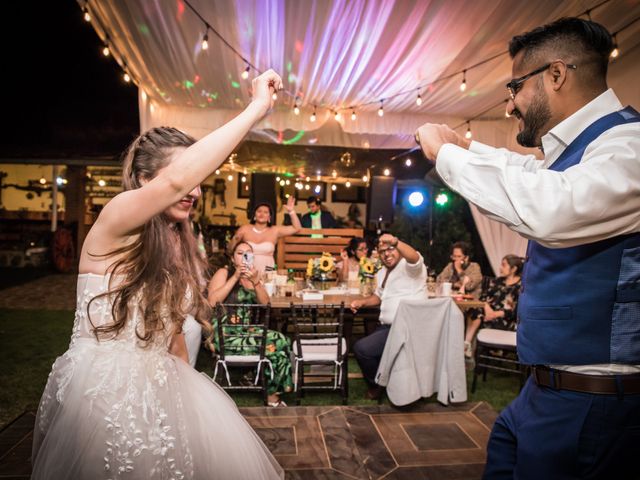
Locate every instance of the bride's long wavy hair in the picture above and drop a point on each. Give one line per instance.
(167, 282)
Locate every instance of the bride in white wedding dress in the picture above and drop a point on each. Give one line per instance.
(122, 402)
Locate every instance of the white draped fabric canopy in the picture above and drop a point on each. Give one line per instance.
(346, 56)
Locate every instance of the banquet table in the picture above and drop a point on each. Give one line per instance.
(424, 352)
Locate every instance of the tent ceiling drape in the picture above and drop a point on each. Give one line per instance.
(332, 54)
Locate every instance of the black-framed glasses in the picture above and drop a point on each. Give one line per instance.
(515, 85)
(386, 251)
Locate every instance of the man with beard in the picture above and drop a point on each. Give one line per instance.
(403, 275)
(578, 415)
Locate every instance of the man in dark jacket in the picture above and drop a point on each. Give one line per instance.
(317, 218)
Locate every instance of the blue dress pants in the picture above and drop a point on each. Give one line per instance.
(558, 434)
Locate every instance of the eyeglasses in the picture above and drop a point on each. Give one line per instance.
(362, 249)
(386, 251)
(515, 85)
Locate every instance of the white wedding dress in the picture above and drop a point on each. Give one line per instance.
(114, 410)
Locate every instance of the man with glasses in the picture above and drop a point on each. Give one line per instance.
(403, 275)
(578, 416)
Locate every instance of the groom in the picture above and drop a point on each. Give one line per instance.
(578, 415)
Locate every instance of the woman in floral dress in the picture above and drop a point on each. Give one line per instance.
(238, 283)
(501, 300)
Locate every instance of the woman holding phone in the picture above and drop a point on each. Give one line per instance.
(465, 276)
(239, 282)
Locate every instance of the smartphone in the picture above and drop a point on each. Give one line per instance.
(247, 259)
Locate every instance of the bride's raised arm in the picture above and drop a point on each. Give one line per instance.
(131, 209)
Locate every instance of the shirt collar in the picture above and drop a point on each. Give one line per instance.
(560, 136)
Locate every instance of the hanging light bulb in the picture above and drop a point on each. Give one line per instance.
(365, 179)
(348, 184)
(468, 135)
(408, 162)
(336, 115)
(308, 178)
(105, 51)
(313, 115)
(245, 73)
(102, 183)
(334, 174)
(230, 178)
(353, 115)
(282, 183)
(296, 110)
(42, 180)
(381, 109)
(463, 85)
(243, 179)
(218, 171)
(386, 172)
(287, 182)
(615, 52)
(126, 77)
(277, 179)
(205, 41)
(87, 16)
(419, 99)
(274, 96)
(307, 187)
(333, 187)
(318, 175)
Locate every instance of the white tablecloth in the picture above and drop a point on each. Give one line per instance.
(424, 353)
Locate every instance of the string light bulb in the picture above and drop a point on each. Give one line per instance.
(42, 180)
(218, 171)
(313, 115)
(408, 162)
(615, 52)
(245, 73)
(348, 184)
(126, 77)
(105, 51)
(419, 99)
(336, 115)
(87, 16)
(381, 109)
(334, 174)
(205, 41)
(230, 178)
(365, 179)
(386, 172)
(463, 85)
(296, 108)
(468, 135)
(353, 115)
(333, 187)
(102, 183)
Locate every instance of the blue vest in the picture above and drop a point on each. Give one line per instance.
(581, 305)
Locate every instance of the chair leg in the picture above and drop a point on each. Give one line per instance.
(263, 382)
(299, 383)
(345, 383)
(476, 368)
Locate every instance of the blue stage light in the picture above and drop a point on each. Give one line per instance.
(416, 199)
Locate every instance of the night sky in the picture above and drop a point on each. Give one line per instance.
(61, 96)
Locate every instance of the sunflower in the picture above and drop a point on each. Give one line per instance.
(326, 263)
(369, 268)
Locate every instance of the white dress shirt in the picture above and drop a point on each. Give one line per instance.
(596, 199)
(406, 280)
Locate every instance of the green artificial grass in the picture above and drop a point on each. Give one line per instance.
(31, 340)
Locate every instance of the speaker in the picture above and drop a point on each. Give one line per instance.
(381, 199)
(263, 190)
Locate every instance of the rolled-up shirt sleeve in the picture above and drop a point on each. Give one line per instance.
(595, 199)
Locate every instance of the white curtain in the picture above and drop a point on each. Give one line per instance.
(497, 239)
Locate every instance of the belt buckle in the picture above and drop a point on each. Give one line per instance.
(536, 374)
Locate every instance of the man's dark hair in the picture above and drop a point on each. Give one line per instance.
(315, 200)
(464, 246)
(582, 42)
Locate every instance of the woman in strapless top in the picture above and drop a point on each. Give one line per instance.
(262, 236)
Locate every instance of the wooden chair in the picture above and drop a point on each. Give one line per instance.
(295, 251)
(241, 332)
(496, 350)
(319, 340)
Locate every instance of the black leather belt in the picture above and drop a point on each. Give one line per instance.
(577, 382)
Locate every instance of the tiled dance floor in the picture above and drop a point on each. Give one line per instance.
(428, 441)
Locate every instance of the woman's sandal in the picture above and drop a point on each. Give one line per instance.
(279, 403)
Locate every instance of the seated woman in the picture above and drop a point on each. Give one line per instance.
(351, 255)
(262, 236)
(465, 276)
(240, 283)
(501, 300)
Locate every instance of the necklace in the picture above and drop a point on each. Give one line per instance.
(259, 231)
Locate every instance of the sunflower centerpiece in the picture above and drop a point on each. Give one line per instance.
(367, 274)
(321, 271)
